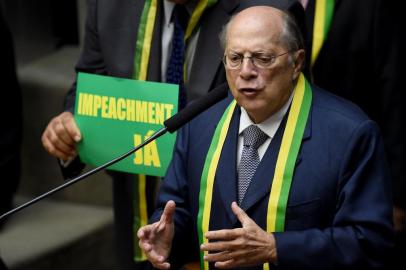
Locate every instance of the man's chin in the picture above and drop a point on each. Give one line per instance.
(253, 108)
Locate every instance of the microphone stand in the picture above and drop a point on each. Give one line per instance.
(155, 136)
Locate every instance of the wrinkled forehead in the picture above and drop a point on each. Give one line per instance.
(255, 27)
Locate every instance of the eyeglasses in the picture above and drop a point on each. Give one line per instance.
(259, 60)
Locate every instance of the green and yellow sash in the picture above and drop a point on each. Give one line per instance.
(140, 69)
(291, 141)
(145, 33)
(323, 16)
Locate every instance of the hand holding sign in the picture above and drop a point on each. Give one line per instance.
(61, 135)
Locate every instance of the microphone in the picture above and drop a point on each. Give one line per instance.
(172, 124)
(178, 120)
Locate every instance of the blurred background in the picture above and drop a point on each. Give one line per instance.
(72, 229)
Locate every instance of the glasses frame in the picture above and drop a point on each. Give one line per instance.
(238, 67)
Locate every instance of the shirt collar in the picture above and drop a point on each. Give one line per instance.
(169, 6)
(168, 9)
(270, 125)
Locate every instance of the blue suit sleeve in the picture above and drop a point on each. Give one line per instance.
(361, 232)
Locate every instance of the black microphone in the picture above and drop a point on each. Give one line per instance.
(172, 124)
(178, 120)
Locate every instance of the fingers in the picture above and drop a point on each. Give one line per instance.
(224, 259)
(229, 234)
(147, 236)
(61, 135)
(220, 246)
(240, 247)
(241, 257)
(231, 259)
(399, 218)
(225, 265)
(158, 261)
(167, 215)
(156, 238)
(151, 253)
(163, 266)
(71, 127)
(223, 256)
(145, 232)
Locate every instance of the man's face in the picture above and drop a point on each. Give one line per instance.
(261, 91)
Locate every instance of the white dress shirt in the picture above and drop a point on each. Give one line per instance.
(269, 127)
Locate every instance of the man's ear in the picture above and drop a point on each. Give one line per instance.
(299, 58)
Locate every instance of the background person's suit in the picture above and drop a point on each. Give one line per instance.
(111, 33)
(361, 61)
(339, 209)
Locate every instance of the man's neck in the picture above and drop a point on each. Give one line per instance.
(260, 117)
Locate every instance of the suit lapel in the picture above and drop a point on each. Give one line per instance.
(261, 183)
(226, 174)
(262, 180)
(306, 135)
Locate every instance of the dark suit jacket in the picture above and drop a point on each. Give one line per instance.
(339, 209)
(361, 61)
(109, 47)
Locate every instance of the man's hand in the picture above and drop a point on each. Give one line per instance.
(60, 136)
(399, 219)
(156, 239)
(246, 246)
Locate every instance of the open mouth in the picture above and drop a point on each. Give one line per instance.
(248, 91)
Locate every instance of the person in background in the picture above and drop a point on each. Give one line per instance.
(280, 174)
(184, 33)
(358, 55)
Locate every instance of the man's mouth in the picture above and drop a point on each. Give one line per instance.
(248, 91)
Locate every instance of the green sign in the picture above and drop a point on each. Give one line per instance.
(114, 115)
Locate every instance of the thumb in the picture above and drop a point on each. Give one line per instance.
(241, 215)
(71, 127)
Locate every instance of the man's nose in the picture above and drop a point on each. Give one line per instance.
(248, 68)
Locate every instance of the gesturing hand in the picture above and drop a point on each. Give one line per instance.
(246, 246)
(156, 238)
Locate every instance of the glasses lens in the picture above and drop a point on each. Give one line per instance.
(259, 60)
(233, 61)
(263, 61)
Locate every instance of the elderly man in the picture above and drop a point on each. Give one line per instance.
(280, 174)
